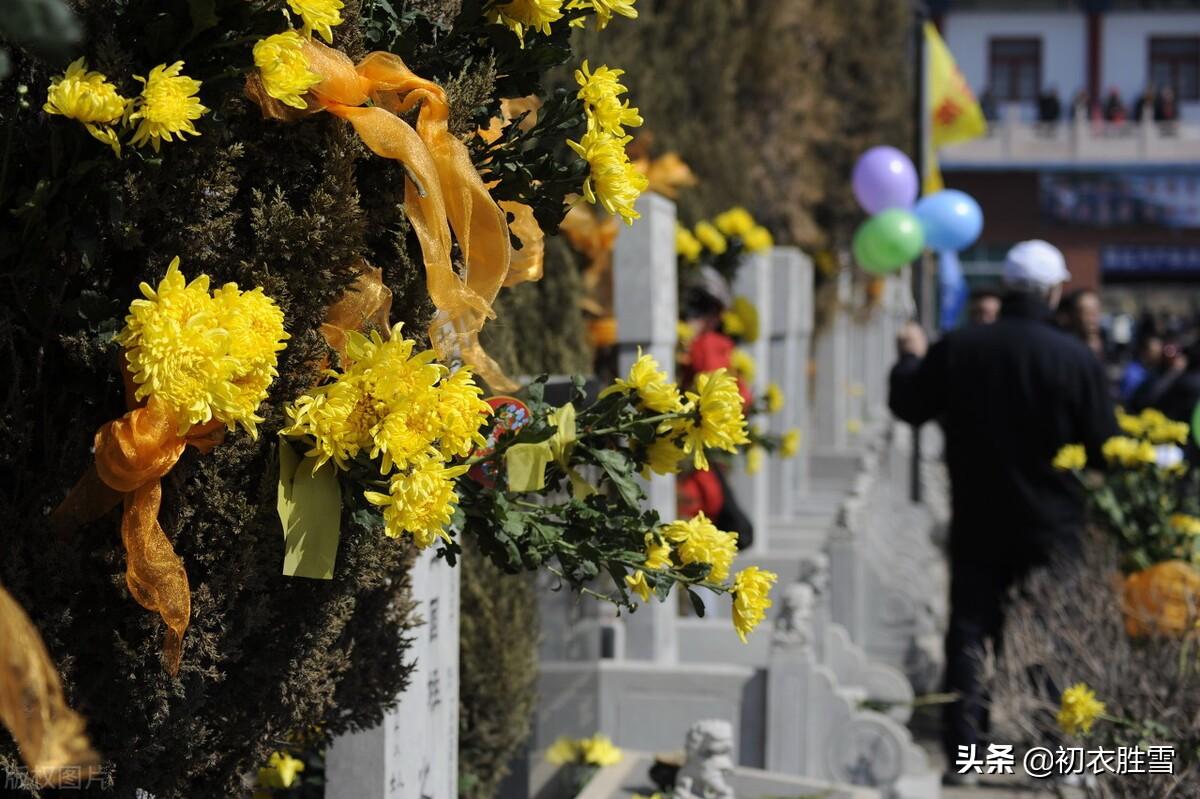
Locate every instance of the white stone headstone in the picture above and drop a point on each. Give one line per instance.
(754, 282)
(414, 753)
(646, 304)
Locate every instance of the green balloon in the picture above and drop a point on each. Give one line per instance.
(888, 241)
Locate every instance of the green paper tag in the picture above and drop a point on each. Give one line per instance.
(310, 510)
(1196, 424)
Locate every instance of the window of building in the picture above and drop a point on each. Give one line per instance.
(1015, 69)
(1175, 62)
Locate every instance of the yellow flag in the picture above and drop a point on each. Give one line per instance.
(955, 115)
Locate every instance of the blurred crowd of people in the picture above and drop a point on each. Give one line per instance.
(1155, 102)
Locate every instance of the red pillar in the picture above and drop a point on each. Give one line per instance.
(1095, 27)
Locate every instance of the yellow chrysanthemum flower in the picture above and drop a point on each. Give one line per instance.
(280, 772)
(562, 752)
(743, 363)
(1071, 458)
(203, 355)
(687, 246)
(420, 501)
(167, 106)
(1128, 451)
(741, 320)
(789, 445)
(854, 426)
(664, 456)
(737, 221)
(775, 398)
(613, 181)
(599, 750)
(520, 16)
(318, 16)
(601, 93)
(711, 238)
(604, 10)
(284, 69)
(1130, 425)
(89, 98)
(636, 583)
(1185, 524)
(722, 424)
(684, 333)
(1079, 710)
(698, 540)
(751, 592)
(393, 404)
(758, 239)
(651, 385)
(755, 456)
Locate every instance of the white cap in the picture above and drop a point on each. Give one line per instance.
(1036, 264)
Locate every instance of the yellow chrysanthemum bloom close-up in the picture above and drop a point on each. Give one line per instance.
(758, 239)
(751, 598)
(742, 317)
(1079, 710)
(722, 424)
(319, 16)
(789, 445)
(285, 72)
(775, 398)
(420, 501)
(697, 540)
(613, 181)
(203, 355)
(711, 238)
(1071, 458)
(737, 221)
(1128, 451)
(167, 106)
(1184, 524)
(743, 363)
(731, 324)
(280, 772)
(520, 16)
(658, 556)
(89, 98)
(604, 10)
(654, 391)
(599, 750)
(664, 456)
(601, 92)
(391, 403)
(562, 752)
(687, 246)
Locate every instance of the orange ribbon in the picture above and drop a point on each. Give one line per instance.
(133, 454)
(367, 302)
(443, 190)
(49, 734)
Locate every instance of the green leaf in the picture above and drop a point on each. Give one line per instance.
(697, 602)
(619, 468)
(310, 511)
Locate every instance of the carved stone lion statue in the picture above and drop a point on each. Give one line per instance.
(794, 622)
(709, 750)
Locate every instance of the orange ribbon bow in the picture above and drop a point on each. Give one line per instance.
(133, 454)
(443, 190)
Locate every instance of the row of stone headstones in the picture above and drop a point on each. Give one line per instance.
(801, 690)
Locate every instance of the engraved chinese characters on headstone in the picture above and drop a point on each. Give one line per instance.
(414, 753)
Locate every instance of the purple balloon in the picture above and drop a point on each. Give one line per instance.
(885, 178)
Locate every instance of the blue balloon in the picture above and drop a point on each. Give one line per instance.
(951, 218)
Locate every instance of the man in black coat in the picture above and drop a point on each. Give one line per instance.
(1008, 395)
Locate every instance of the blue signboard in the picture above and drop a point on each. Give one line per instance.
(1121, 199)
(1150, 260)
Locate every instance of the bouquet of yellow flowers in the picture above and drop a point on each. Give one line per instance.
(1145, 495)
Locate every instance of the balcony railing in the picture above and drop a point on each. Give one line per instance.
(1013, 142)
